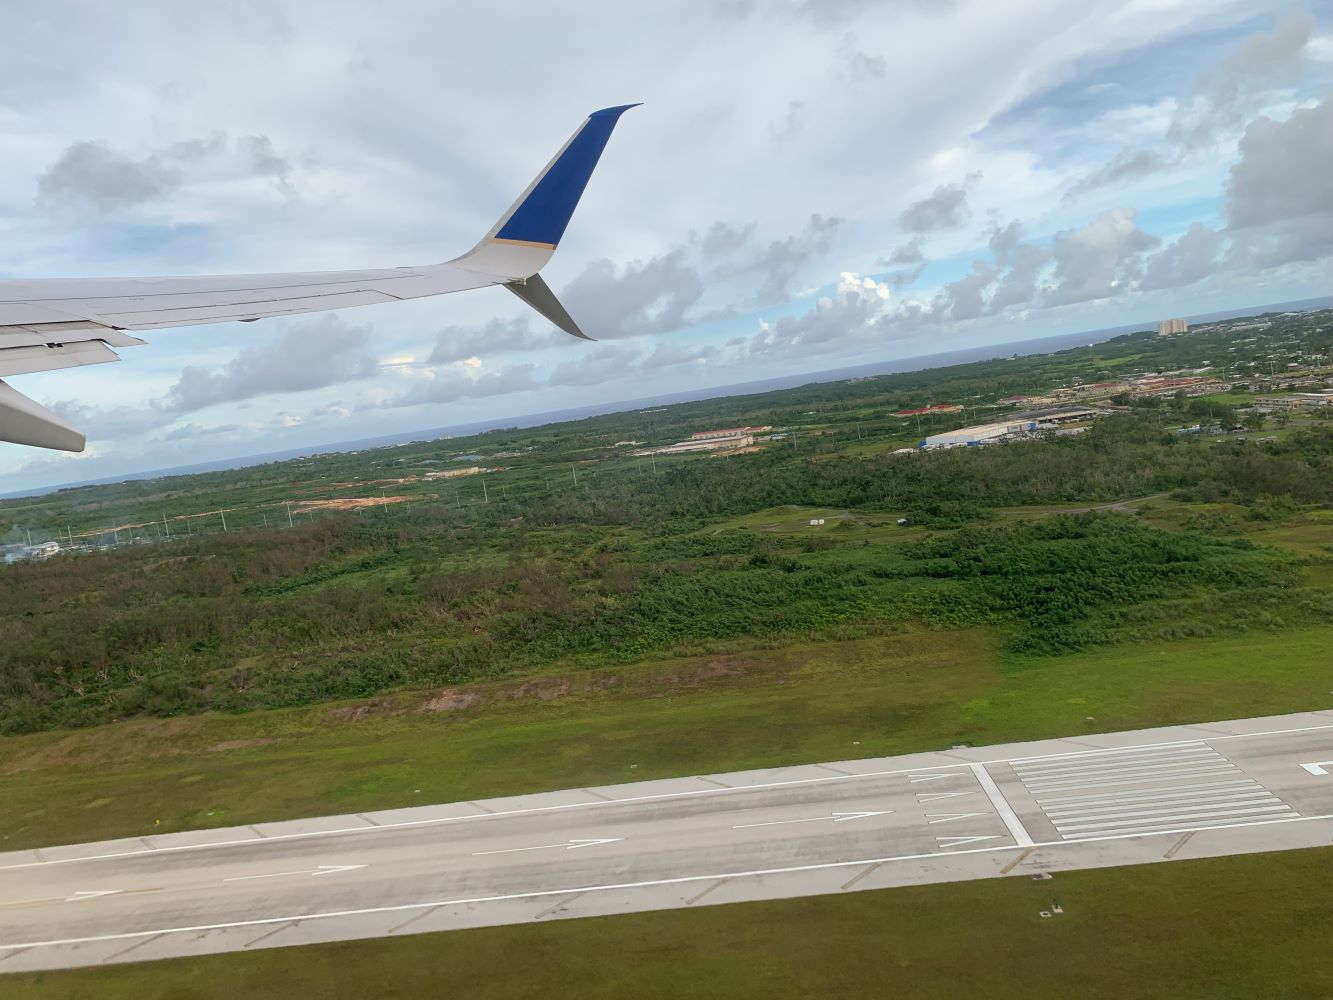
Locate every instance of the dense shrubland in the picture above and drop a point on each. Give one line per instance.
(347, 606)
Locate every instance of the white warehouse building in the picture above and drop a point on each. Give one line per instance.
(968, 437)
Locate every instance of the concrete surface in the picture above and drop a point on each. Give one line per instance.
(1017, 810)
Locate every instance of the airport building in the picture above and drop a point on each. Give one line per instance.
(971, 437)
(1296, 401)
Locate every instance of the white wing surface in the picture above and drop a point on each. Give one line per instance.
(55, 323)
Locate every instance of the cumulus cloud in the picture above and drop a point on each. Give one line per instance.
(619, 363)
(782, 260)
(852, 313)
(641, 297)
(1192, 257)
(1020, 265)
(464, 381)
(1280, 195)
(94, 175)
(311, 354)
(456, 343)
(966, 297)
(1099, 260)
(945, 208)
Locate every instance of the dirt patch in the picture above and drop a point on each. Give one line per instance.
(722, 666)
(225, 745)
(449, 701)
(543, 690)
(604, 681)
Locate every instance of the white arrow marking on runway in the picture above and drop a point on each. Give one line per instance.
(321, 870)
(936, 796)
(569, 845)
(949, 817)
(960, 841)
(836, 817)
(1318, 766)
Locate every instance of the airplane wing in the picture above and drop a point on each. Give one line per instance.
(47, 324)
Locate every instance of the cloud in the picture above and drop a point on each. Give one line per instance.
(642, 297)
(311, 354)
(791, 124)
(782, 260)
(945, 208)
(1192, 257)
(620, 363)
(455, 343)
(1223, 95)
(723, 239)
(1099, 260)
(464, 381)
(1020, 263)
(966, 297)
(852, 314)
(1223, 98)
(1280, 195)
(94, 175)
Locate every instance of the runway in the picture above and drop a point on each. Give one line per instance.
(1018, 810)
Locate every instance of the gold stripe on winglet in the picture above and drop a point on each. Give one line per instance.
(524, 243)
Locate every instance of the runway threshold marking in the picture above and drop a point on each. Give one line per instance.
(1318, 767)
(313, 872)
(933, 818)
(721, 789)
(1002, 807)
(608, 887)
(569, 845)
(960, 841)
(837, 817)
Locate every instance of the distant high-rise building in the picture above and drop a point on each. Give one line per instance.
(1170, 326)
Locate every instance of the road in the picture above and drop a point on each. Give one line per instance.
(1018, 810)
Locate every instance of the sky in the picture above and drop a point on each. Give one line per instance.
(809, 184)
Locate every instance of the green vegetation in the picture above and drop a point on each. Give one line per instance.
(833, 700)
(1218, 929)
(1027, 579)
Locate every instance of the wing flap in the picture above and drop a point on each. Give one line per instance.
(50, 357)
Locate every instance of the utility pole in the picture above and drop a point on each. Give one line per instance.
(575, 469)
(166, 526)
(29, 534)
(70, 534)
(653, 456)
(224, 520)
(384, 498)
(485, 494)
(265, 517)
(289, 514)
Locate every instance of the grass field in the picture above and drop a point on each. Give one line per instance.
(1237, 928)
(863, 697)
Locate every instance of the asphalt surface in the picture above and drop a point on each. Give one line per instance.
(1009, 811)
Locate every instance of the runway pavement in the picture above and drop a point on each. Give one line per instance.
(1017, 810)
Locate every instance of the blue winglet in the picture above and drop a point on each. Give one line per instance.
(542, 216)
